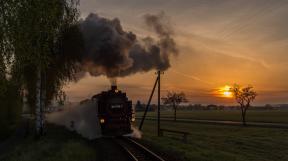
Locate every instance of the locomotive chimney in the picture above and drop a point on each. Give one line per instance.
(113, 82)
(113, 87)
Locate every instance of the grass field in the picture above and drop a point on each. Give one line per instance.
(58, 145)
(205, 142)
(275, 116)
(220, 143)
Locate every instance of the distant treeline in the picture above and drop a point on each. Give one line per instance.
(153, 107)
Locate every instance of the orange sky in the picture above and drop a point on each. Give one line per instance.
(220, 43)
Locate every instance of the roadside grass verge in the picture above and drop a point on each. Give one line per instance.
(220, 143)
(58, 144)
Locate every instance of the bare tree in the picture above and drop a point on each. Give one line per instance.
(244, 96)
(174, 99)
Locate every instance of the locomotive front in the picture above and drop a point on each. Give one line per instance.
(114, 112)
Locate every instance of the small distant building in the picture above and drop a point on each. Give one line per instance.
(212, 107)
(139, 106)
(282, 106)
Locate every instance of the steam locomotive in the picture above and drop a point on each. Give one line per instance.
(114, 112)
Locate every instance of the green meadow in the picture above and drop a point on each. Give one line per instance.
(275, 116)
(218, 142)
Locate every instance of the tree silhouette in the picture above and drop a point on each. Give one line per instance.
(174, 99)
(244, 96)
(39, 37)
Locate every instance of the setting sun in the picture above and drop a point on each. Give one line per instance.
(225, 91)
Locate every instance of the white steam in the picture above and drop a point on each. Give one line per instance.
(80, 118)
(136, 133)
(84, 120)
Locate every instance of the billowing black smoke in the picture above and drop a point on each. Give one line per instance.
(111, 51)
(161, 26)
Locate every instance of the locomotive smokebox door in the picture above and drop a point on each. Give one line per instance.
(114, 112)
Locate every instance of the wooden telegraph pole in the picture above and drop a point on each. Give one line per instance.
(148, 104)
(158, 115)
(159, 103)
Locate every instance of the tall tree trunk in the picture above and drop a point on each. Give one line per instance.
(38, 105)
(243, 116)
(43, 102)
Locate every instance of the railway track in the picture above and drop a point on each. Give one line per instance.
(136, 151)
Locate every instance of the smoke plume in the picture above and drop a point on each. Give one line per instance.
(113, 81)
(111, 51)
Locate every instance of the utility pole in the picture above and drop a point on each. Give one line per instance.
(158, 115)
(148, 104)
(159, 103)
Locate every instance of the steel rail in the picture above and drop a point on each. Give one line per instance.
(136, 151)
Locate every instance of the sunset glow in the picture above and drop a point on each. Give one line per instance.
(225, 91)
(215, 49)
(144, 80)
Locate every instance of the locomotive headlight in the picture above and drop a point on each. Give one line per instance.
(133, 119)
(102, 121)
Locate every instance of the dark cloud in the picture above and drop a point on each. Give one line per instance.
(106, 45)
(111, 51)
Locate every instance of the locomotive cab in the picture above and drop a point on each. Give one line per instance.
(114, 112)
